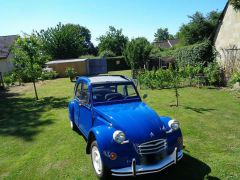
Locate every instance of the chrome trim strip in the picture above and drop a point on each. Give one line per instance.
(155, 148)
(153, 152)
(153, 141)
(150, 145)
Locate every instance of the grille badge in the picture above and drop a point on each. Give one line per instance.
(151, 134)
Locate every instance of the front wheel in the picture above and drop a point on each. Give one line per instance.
(100, 169)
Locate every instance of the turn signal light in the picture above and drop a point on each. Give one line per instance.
(113, 156)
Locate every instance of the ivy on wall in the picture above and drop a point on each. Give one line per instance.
(194, 54)
(236, 4)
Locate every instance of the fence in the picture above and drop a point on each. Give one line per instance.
(97, 66)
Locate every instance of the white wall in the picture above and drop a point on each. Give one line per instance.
(228, 34)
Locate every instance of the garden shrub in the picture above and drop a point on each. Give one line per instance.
(213, 73)
(8, 79)
(234, 78)
(156, 79)
(48, 75)
(71, 73)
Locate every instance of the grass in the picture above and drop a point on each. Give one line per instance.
(36, 141)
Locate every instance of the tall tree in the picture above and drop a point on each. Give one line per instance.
(199, 28)
(66, 41)
(28, 57)
(137, 52)
(113, 41)
(162, 34)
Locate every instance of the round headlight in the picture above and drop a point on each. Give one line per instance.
(174, 124)
(119, 137)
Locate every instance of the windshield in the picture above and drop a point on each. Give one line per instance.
(113, 92)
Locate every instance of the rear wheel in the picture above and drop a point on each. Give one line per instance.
(73, 126)
(100, 169)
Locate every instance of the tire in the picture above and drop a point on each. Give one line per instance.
(100, 169)
(73, 126)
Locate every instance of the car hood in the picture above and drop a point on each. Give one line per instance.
(138, 121)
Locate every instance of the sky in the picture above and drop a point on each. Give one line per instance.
(135, 17)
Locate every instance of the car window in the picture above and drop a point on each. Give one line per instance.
(111, 92)
(82, 93)
(78, 91)
(130, 91)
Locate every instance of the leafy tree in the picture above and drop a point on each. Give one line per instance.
(163, 34)
(107, 53)
(236, 4)
(28, 57)
(66, 41)
(137, 52)
(199, 28)
(113, 41)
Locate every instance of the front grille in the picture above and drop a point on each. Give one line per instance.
(152, 147)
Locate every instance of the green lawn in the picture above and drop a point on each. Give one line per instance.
(37, 143)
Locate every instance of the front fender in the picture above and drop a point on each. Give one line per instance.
(104, 136)
(174, 138)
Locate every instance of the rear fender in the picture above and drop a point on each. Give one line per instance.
(71, 110)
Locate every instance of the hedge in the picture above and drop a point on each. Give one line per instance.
(116, 63)
(194, 54)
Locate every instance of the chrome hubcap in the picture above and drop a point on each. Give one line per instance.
(71, 124)
(96, 159)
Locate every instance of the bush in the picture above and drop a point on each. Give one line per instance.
(194, 54)
(107, 53)
(213, 73)
(70, 72)
(156, 79)
(234, 78)
(116, 63)
(8, 79)
(48, 75)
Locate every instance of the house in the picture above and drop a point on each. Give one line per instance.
(162, 62)
(6, 42)
(81, 66)
(166, 44)
(227, 39)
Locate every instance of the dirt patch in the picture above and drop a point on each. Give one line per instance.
(56, 165)
(25, 87)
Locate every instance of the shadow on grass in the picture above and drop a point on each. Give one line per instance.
(21, 116)
(188, 168)
(199, 110)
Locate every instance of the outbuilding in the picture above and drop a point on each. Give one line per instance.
(81, 66)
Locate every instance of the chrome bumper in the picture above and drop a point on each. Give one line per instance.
(147, 169)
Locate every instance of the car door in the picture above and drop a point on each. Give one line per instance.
(78, 88)
(85, 114)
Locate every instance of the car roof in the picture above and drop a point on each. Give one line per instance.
(104, 79)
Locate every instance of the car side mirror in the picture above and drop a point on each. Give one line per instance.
(145, 96)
